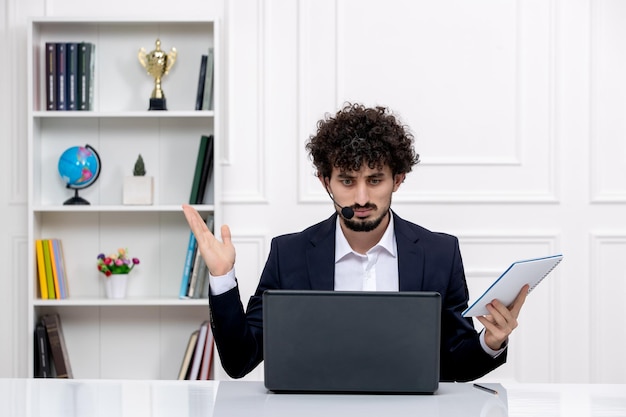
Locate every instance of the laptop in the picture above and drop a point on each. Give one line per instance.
(351, 342)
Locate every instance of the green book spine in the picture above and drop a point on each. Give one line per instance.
(207, 167)
(49, 275)
(85, 74)
(198, 171)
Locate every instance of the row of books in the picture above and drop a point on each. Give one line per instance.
(51, 357)
(194, 282)
(69, 74)
(198, 358)
(51, 272)
(204, 94)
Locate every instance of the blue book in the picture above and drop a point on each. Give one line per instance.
(60, 267)
(189, 259)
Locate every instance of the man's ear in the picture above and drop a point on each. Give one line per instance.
(397, 180)
(323, 180)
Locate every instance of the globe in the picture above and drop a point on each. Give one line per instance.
(79, 167)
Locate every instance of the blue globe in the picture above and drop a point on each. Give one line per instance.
(79, 167)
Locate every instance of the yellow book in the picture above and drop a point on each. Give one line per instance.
(49, 276)
(53, 265)
(41, 269)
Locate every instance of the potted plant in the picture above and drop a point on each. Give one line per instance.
(116, 268)
(138, 188)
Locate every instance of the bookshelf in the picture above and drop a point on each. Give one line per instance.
(143, 336)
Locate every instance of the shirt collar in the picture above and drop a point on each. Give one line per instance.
(386, 242)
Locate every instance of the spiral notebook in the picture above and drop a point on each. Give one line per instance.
(508, 285)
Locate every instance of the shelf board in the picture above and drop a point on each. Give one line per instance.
(119, 208)
(117, 20)
(52, 114)
(128, 302)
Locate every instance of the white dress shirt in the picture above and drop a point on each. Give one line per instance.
(377, 270)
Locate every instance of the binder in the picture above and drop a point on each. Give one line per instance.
(509, 284)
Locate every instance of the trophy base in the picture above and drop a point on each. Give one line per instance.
(157, 104)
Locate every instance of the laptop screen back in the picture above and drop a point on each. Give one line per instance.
(330, 341)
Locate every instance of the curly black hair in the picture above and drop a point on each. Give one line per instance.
(358, 135)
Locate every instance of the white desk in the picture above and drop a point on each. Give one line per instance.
(108, 398)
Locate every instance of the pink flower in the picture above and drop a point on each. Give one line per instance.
(117, 263)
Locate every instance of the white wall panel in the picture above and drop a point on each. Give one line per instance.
(245, 152)
(608, 310)
(474, 81)
(608, 105)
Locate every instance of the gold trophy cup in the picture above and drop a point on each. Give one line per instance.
(157, 63)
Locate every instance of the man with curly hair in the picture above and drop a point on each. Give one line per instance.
(362, 156)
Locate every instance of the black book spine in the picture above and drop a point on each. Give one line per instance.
(51, 71)
(61, 63)
(71, 78)
(201, 78)
(42, 353)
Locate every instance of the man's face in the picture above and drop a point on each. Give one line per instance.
(368, 192)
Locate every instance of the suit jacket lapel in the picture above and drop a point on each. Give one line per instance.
(410, 257)
(320, 257)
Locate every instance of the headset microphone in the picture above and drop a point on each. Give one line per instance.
(346, 212)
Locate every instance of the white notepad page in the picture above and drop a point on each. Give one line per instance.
(508, 285)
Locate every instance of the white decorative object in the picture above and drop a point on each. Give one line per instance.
(138, 190)
(115, 286)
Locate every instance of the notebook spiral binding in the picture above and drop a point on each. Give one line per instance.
(545, 275)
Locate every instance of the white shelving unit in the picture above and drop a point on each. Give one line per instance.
(145, 335)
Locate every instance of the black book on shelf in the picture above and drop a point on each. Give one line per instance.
(51, 75)
(71, 78)
(201, 81)
(61, 87)
(207, 169)
(43, 369)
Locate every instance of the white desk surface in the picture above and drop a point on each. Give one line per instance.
(129, 398)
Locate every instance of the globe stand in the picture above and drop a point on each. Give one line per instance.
(76, 200)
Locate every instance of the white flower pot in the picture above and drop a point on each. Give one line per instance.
(115, 286)
(138, 190)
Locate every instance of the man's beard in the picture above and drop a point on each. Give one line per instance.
(365, 226)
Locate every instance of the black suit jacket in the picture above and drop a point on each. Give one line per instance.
(427, 261)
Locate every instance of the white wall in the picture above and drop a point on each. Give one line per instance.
(518, 110)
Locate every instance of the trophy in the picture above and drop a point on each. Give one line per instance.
(157, 63)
